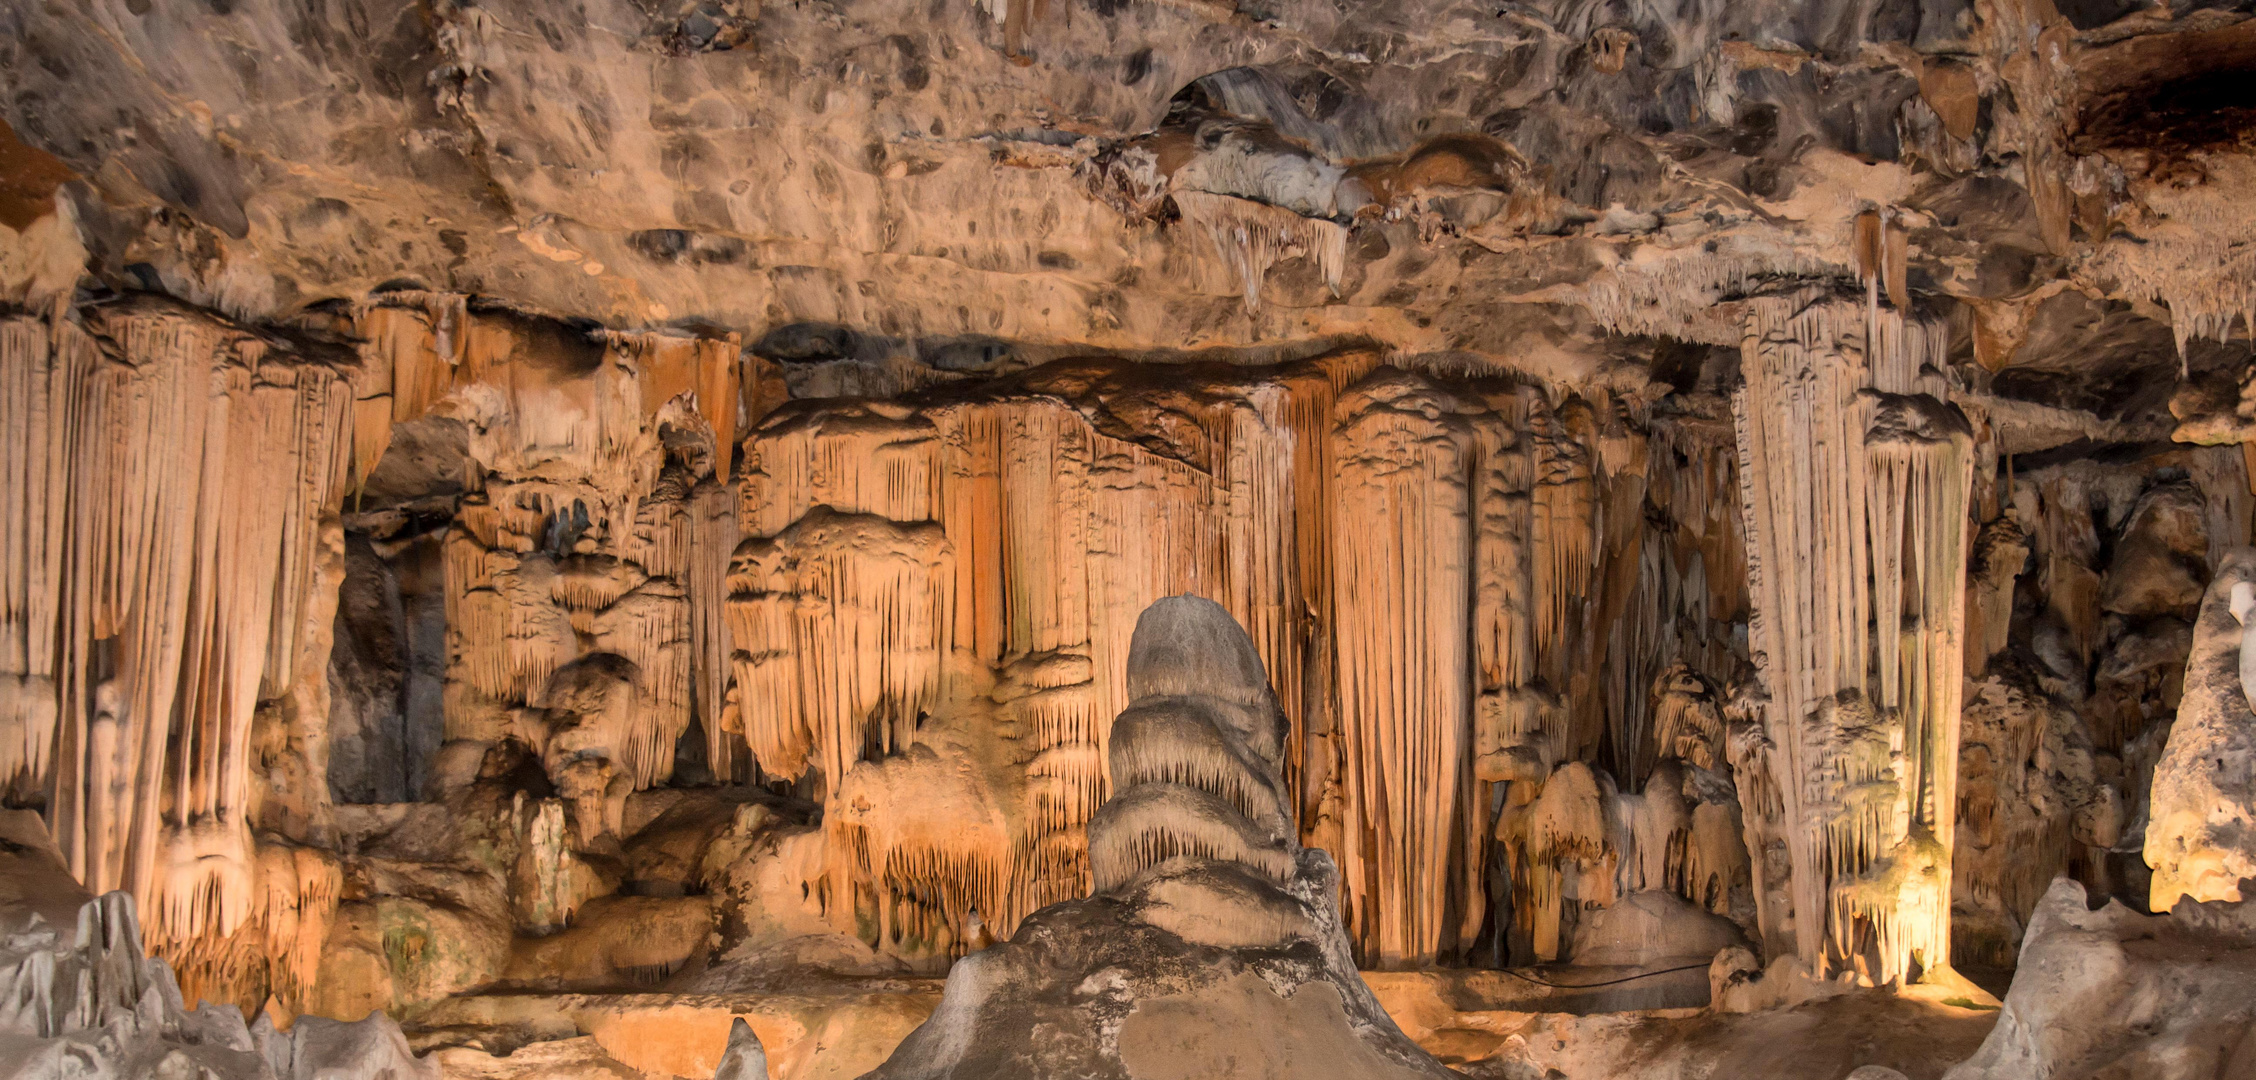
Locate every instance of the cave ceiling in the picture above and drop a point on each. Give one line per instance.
(1544, 188)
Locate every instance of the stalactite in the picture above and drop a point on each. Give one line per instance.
(1018, 502)
(1564, 535)
(2025, 784)
(650, 627)
(703, 373)
(42, 372)
(1695, 482)
(1154, 531)
(1681, 291)
(1687, 724)
(1568, 856)
(1624, 617)
(1402, 579)
(1651, 831)
(2196, 257)
(933, 842)
(1763, 816)
(1715, 856)
(1857, 481)
(712, 528)
(1056, 507)
(598, 523)
(1250, 237)
(865, 458)
(2000, 550)
(172, 478)
(1504, 607)
(841, 623)
(300, 887)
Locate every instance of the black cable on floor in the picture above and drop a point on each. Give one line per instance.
(1608, 982)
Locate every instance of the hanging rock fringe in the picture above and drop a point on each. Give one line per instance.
(169, 480)
(1856, 479)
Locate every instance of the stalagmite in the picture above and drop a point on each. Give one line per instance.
(571, 528)
(1069, 500)
(91, 1004)
(1192, 946)
(2110, 988)
(745, 1059)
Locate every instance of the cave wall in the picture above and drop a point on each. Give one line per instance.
(501, 481)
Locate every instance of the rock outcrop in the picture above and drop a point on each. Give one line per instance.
(2201, 832)
(2111, 992)
(86, 1002)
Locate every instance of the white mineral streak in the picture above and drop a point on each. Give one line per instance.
(1250, 237)
(1856, 483)
(169, 482)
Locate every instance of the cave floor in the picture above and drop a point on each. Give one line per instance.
(1487, 1024)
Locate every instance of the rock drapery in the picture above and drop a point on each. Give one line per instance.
(1853, 458)
(172, 526)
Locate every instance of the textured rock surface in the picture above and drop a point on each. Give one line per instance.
(865, 180)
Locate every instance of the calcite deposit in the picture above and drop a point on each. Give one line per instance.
(803, 538)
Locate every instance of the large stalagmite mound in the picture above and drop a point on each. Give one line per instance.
(1213, 946)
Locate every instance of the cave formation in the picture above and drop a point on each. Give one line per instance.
(811, 539)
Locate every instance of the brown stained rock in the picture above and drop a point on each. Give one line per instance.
(29, 177)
